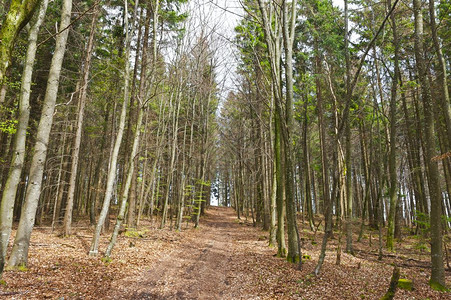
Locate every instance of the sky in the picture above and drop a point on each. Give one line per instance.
(215, 19)
(220, 17)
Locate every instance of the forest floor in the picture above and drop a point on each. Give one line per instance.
(225, 258)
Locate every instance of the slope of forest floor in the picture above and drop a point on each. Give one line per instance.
(224, 259)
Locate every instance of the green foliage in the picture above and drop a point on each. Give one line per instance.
(7, 123)
(405, 284)
(133, 233)
(204, 183)
(22, 268)
(438, 287)
(423, 222)
(323, 25)
(422, 246)
(251, 41)
(106, 260)
(8, 126)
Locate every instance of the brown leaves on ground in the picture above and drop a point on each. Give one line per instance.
(224, 259)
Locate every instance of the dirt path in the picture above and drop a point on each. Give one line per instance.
(204, 265)
(228, 259)
(223, 259)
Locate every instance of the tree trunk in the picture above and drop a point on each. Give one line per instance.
(175, 111)
(307, 180)
(393, 285)
(348, 148)
(60, 185)
(124, 196)
(17, 162)
(393, 190)
(19, 254)
(67, 223)
(131, 219)
(288, 29)
(115, 153)
(19, 14)
(324, 171)
(272, 178)
(437, 271)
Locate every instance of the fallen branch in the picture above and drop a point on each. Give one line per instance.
(9, 293)
(68, 245)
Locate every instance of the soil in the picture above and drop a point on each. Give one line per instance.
(225, 258)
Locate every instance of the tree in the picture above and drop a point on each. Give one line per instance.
(67, 223)
(117, 144)
(284, 28)
(18, 15)
(14, 176)
(437, 272)
(19, 254)
(393, 190)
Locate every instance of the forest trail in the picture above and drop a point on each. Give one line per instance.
(209, 264)
(225, 258)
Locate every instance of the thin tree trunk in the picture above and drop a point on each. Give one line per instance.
(60, 185)
(307, 179)
(348, 148)
(272, 176)
(67, 223)
(124, 196)
(393, 191)
(131, 222)
(115, 152)
(175, 111)
(366, 177)
(437, 271)
(181, 204)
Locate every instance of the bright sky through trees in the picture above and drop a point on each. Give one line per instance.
(322, 126)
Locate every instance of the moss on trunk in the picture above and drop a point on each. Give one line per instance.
(18, 15)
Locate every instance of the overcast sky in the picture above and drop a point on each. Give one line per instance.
(221, 17)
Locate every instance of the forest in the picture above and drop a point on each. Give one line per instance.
(212, 149)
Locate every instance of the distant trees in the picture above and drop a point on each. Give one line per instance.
(107, 80)
(343, 113)
(362, 92)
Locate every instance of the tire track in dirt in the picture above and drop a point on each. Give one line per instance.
(205, 265)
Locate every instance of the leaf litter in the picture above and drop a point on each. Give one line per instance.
(225, 258)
